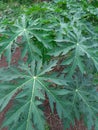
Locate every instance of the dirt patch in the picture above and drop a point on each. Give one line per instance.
(15, 58)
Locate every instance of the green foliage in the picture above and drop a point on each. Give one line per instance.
(60, 34)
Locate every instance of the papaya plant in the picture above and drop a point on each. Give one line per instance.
(61, 49)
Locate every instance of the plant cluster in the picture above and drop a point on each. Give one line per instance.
(60, 41)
